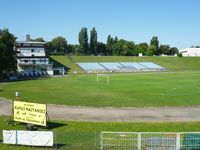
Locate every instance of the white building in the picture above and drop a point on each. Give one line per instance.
(32, 60)
(195, 52)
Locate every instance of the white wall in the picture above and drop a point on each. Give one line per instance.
(50, 72)
(194, 52)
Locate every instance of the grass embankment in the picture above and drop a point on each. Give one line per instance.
(130, 90)
(170, 63)
(68, 62)
(86, 135)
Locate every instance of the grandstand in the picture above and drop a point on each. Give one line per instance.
(92, 67)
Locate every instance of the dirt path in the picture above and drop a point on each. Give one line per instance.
(164, 114)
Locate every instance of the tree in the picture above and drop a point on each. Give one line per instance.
(155, 42)
(59, 44)
(173, 50)
(93, 41)
(73, 49)
(101, 49)
(109, 44)
(40, 39)
(195, 46)
(8, 60)
(151, 50)
(164, 49)
(123, 47)
(117, 47)
(49, 48)
(142, 48)
(83, 41)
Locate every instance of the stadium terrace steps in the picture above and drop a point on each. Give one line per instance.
(91, 67)
(32, 74)
(151, 65)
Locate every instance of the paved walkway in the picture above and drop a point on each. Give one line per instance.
(164, 114)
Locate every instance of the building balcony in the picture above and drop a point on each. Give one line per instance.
(34, 61)
(41, 54)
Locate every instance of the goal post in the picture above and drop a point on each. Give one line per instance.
(103, 77)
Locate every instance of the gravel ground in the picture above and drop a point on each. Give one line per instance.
(148, 114)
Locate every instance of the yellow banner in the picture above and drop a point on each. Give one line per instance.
(30, 112)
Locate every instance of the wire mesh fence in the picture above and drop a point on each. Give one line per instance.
(158, 141)
(86, 140)
(150, 141)
(190, 141)
(119, 140)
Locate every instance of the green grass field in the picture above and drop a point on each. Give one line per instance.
(86, 135)
(179, 86)
(128, 90)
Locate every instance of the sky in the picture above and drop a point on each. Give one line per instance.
(175, 22)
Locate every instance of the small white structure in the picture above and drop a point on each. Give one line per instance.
(194, 52)
(140, 55)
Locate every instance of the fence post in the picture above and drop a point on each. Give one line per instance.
(101, 141)
(178, 141)
(95, 139)
(139, 141)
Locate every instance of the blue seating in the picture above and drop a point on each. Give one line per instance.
(111, 66)
(133, 65)
(119, 66)
(151, 65)
(91, 67)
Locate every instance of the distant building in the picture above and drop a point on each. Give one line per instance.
(31, 58)
(195, 52)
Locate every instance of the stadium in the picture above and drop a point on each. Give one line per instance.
(175, 87)
(99, 75)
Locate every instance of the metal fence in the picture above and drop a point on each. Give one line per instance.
(150, 141)
(90, 140)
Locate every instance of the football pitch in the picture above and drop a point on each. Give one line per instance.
(124, 90)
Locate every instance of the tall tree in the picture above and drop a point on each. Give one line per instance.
(109, 44)
(93, 41)
(59, 44)
(83, 41)
(8, 61)
(155, 42)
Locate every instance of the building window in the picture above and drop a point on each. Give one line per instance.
(26, 61)
(32, 50)
(32, 55)
(34, 61)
